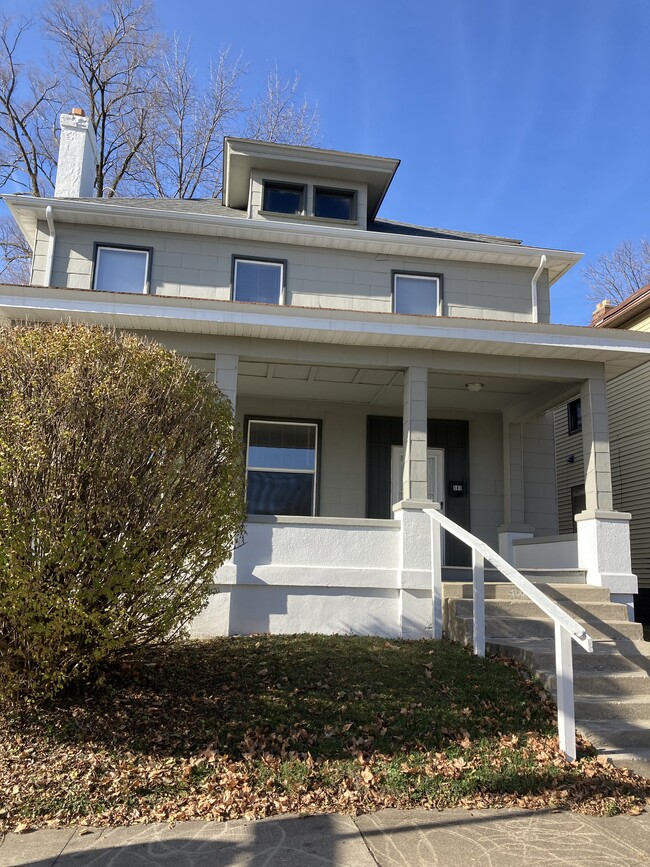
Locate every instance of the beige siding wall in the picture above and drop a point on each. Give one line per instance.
(629, 414)
(201, 267)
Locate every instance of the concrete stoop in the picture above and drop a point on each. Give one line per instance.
(612, 684)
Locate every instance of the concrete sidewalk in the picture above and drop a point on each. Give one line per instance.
(390, 838)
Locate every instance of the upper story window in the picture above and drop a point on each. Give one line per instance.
(417, 293)
(574, 416)
(334, 204)
(122, 269)
(258, 280)
(283, 198)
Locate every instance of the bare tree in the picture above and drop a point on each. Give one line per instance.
(278, 115)
(181, 155)
(159, 124)
(617, 275)
(15, 253)
(108, 54)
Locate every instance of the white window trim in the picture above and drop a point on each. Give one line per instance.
(124, 249)
(274, 262)
(288, 421)
(425, 277)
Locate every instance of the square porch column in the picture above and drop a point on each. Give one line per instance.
(414, 425)
(226, 368)
(603, 534)
(514, 513)
(415, 541)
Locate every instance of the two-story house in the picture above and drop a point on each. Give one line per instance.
(374, 367)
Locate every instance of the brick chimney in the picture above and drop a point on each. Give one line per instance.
(602, 309)
(75, 171)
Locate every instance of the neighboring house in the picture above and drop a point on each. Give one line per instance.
(628, 398)
(375, 367)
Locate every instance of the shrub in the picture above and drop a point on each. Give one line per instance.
(121, 491)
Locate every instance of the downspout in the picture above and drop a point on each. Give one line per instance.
(533, 288)
(49, 262)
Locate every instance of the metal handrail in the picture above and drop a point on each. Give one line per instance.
(566, 628)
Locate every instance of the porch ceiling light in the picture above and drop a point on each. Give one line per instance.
(474, 386)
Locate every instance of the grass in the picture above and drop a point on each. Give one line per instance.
(264, 725)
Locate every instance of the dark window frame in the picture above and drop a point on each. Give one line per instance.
(574, 416)
(351, 194)
(287, 185)
(400, 272)
(135, 248)
(263, 260)
(319, 449)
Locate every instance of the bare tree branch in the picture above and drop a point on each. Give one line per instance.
(617, 275)
(279, 116)
(15, 253)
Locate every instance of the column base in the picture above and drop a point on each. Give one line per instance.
(415, 613)
(604, 550)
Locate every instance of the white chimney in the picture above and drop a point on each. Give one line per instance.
(75, 171)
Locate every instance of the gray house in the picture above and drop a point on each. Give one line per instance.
(375, 367)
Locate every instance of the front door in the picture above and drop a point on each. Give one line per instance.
(435, 475)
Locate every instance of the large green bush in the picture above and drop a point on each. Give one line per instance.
(121, 491)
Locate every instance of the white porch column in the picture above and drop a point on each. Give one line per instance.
(414, 422)
(514, 513)
(225, 375)
(603, 534)
(226, 368)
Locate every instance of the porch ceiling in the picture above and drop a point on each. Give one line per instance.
(372, 385)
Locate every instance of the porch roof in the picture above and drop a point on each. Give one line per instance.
(618, 350)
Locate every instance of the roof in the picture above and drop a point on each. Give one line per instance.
(618, 316)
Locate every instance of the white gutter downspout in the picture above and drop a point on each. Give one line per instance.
(49, 262)
(533, 288)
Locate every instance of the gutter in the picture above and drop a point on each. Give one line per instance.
(49, 262)
(533, 289)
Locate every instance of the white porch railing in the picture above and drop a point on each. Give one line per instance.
(566, 628)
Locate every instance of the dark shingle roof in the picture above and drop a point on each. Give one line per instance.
(213, 207)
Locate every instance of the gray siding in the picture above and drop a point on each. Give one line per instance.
(200, 267)
(539, 481)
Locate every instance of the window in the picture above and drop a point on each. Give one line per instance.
(334, 204)
(257, 280)
(122, 269)
(417, 293)
(283, 198)
(574, 416)
(281, 467)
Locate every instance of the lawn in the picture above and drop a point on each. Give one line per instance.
(251, 727)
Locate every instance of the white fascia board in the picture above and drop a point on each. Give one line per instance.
(572, 342)
(26, 209)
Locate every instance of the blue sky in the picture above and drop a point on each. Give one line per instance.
(510, 117)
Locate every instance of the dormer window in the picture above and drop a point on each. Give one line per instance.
(334, 204)
(282, 198)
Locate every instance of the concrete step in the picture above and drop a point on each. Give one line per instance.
(581, 611)
(628, 710)
(637, 760)
(504, 628)
(608, 657)
(506, 590)
(555, 576)
(617, 735)
(610, 686)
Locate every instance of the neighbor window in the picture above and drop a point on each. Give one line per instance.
(416, 293)
(334, 204)
(283, 198)
(281, 467)
(574, 416)
(121, 269)
(258, 280)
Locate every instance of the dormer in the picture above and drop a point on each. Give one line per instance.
(303, 184)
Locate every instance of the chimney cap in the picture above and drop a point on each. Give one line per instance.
(78, 112)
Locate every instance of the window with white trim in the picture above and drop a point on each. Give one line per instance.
(417, 293)
(258, 280)
(281, 467)
(121, 269)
